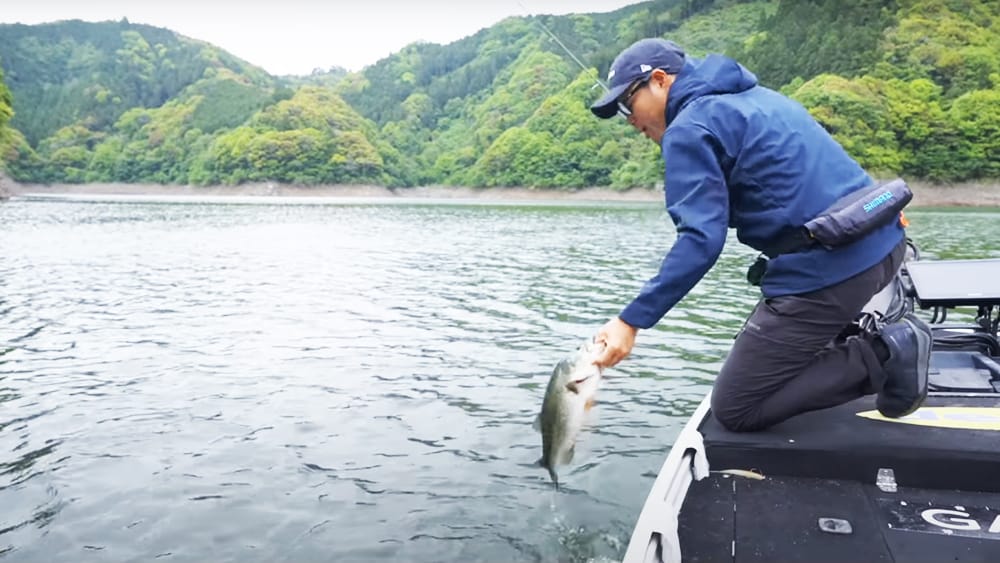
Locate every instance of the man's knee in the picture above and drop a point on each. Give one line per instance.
(735, 417)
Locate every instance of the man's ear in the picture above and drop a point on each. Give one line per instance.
(661, 78)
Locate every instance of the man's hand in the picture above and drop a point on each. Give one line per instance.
(618, 338)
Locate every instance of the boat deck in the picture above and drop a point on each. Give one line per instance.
(836, 443)
(826, 465)
(731, 518)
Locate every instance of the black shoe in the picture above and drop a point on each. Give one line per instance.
(909, 343)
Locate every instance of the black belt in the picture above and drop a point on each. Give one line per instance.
(792, 240)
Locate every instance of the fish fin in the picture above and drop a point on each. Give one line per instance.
(571, 386)
(567, 456)
(537, 424)
(589, 404)
(551, 469)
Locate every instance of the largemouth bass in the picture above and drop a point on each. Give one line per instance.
(570, 394)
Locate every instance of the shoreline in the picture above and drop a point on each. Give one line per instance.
(924, 194)
(267, 190)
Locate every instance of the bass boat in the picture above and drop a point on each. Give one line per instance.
(846, 484)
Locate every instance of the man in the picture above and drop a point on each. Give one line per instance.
(739, 155)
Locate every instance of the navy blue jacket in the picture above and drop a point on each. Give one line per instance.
(739, 155)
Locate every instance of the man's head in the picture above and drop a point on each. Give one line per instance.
(638, 84)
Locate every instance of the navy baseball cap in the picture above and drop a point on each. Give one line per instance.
(635, 63)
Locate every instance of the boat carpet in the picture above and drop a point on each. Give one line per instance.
(836, 443)
(732, 518)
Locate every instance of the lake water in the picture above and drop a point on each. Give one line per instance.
(350, 381)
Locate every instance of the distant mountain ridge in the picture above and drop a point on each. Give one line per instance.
(908, 86)
(93, 72)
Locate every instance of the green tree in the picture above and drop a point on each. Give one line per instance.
(857, 117)
(6, 112)
(954, 44)
(975, 117)
(518, 158)
(812, 37)
(314, 137)
(67, 153)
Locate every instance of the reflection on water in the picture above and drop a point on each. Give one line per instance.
(199, 382)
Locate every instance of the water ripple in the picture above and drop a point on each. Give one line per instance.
(347, 382)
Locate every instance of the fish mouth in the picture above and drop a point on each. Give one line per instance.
(574, 385)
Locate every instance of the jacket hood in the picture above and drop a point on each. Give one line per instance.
(715, 74)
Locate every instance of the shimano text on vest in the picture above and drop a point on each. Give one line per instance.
(878, 201)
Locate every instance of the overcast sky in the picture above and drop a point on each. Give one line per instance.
(296, 36)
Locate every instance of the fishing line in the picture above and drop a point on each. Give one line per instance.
(564, 47)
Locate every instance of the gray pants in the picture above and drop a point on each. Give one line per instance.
(785, 361)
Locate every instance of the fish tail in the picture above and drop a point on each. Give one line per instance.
(542, 462)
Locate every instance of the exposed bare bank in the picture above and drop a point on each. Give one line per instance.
(925, 194)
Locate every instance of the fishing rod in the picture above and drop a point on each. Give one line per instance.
(564, 47)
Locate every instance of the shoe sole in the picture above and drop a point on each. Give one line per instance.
(924, 341)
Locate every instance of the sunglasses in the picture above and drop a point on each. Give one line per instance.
(625, 100)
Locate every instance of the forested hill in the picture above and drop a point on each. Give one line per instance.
(910, 87)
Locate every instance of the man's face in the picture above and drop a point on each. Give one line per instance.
(647, 103)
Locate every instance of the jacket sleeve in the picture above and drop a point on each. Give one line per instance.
(698, 203)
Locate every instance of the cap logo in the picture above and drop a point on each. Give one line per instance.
(611, 74)
(645, 68)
